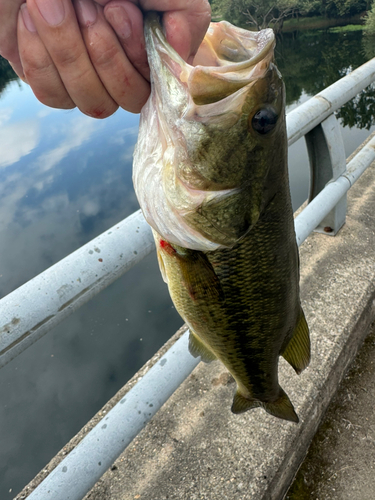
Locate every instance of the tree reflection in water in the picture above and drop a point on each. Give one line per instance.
(360, 111)
(7, 74)
(312, 60)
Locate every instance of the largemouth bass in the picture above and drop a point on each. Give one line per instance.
(210, 173)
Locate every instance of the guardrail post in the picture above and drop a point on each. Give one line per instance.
(327, 162)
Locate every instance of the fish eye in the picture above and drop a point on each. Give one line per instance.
(264, 120)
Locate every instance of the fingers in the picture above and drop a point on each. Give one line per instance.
(185, 23)
(71, 56)
(64, 63)
(38, 67)
(127, 21)
(126, 82)
(8, 33)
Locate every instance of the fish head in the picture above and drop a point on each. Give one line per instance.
(210, 134)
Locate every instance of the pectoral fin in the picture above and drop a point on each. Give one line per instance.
(199, 278)
(198, 348)
(161, 266)
(297, 352)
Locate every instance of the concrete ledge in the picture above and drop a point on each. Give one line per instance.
(195, 448)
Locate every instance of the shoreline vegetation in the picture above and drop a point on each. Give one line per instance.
(321, 22)
(312, 23)
(296, 15)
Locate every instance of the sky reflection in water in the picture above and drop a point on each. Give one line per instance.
(64, 179)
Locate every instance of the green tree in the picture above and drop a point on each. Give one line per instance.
(310, 7)
(368, 45)
(341, 8)
(263, 13)
(370, 22)
(258, 13)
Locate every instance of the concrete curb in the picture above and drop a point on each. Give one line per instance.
(194, 448)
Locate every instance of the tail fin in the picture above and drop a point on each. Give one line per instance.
(281, 408)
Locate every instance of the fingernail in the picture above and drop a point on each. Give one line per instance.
(86, 12)
(52, 10)
(27, 21)
(119, 20)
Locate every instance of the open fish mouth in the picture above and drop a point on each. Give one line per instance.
(193, 163)
(228, 59)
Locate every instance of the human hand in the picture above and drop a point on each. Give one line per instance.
(69, 63)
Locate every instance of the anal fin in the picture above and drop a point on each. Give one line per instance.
(241, 404)
(297, 352)
(198, 348)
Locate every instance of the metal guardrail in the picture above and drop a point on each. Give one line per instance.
(333, 193)
(36, 307)
(32, 310)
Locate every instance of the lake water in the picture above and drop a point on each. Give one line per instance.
(64, 179)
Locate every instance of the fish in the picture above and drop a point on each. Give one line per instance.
(210, 174)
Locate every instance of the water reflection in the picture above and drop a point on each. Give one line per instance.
(17, 139)
(64, 179)
(360, 111)
(310, 61)
(6, 74)
(60, 173)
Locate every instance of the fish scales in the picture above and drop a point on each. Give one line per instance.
(210, 173)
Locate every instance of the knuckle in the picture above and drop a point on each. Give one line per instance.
(81, 77)
(34, 68)
(105, 57)
(67, 56)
